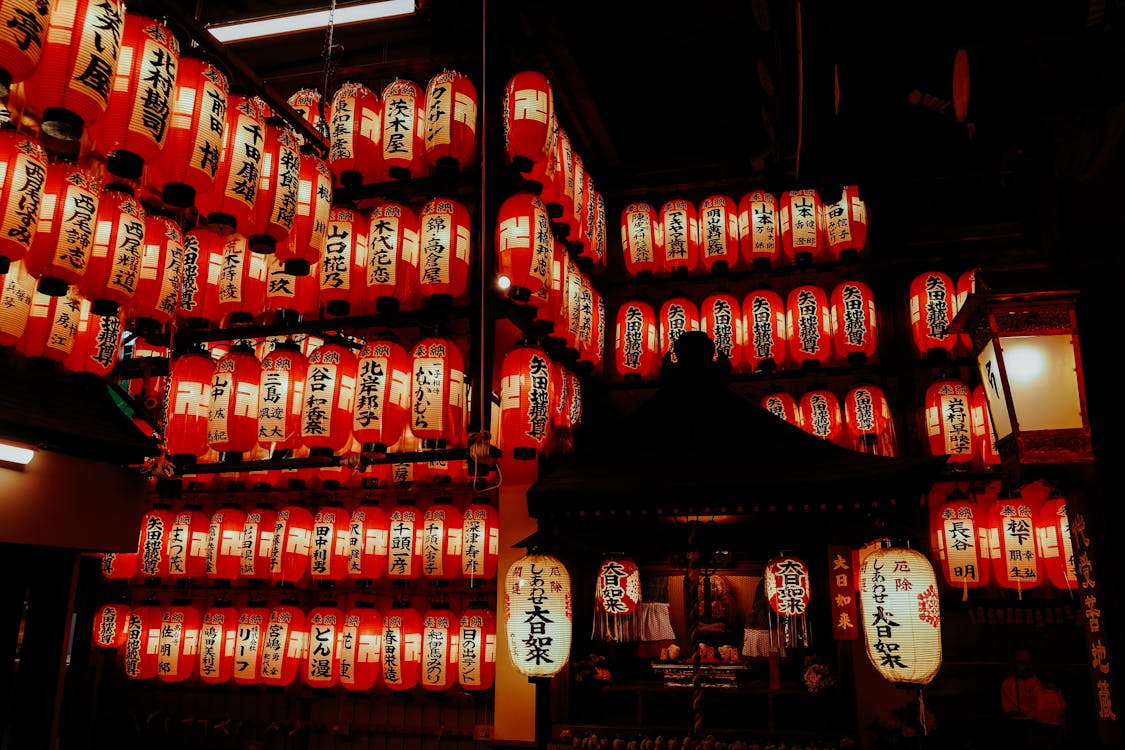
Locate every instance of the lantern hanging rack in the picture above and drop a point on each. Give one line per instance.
(220, 467)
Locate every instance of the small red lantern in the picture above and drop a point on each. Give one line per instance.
(189, 391)
(232, 417)
(284, 645)
(310, 225)
(1013, 543)
(677, 316)
(361, 648)
(326, 630)
(97, 344)
(64, 240)
(821, 415)
(275, 204)
(846, 225)
(854, 322)
(382, 406)
(404, 555)
(187, 543)
(867, 420)
(765, 331)
(437, 385)
(480, 541)
(579, 238)
(281, 392)
(524, 245)
(440, 539)
(1056, 544)
(368, 538)
(525, 402)
(51, 327)
(224, 542)
(802, 227)
(759, 243)
(199, 283)
(677, 242)
(307, 103)
(529, 115)
(933, 303)
(984, 444)
(808, 324)
(639, 225)
(114, 269)
(23, 179)
(404, 122)
(949, 420)
(343, 269)
(450, 115)
(402, 647)
(392, 257)
(291, 546)
(783, 406)
(22, 47)
(140, 653)
(218, 637)
(326, 412)
(718, 234)
(962, 543)
(228, 206)
(111, 625)
(329, 557)
(290, 297)
(444, 249)
(787, 589)
(721, 319)
(617, 594)
(17, 290)
(253, 630)
(439, 648)
(242, 281)
(179, 642)
(152, 547)
(156, 300)
(476, 647)
(355, 121)
(256, 541)
(636, 352)
(573, 290)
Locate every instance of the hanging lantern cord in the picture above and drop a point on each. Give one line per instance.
(329, 54)
(694, 565)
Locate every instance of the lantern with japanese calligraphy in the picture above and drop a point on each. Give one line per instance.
(187, 543)
(356, 128)
(524, 244)
(189, 161)
(281, 392)
(444, 249)
(382, 405)
(218, 636)
(437, 387)
(199, 283)
(868, 424)
(134, 127)
(224, 542)
(157, 297)
(949, 420)
(402, 647)
(368, 539)
(985, 454)
(845, 225)
(232, 415)
(440, 539)
(854, 323)
(480, 541)
(140, 652)
(765, 331)
(255, 542)
(22, 40)
(529, 109)
(821, 415)
(291, 546)
(360, 651)
(275, 203)
(476, 647)
(579, 237)
(759, 245)
(97, 344)
(450, 116)
(962, 543)
(61, 249)
(808, 326)
(343, 261)
(326, 412)
(1055, 542)
(933, 304)
(787, 589)
(1012, 542)
(308, 103)
(617, 595)
(539, 615)
(152, 547)
(901, 613)
(189, 399)
(718, 234)
(326, 625)
(677, 241)
(119, 566)
(228, 206)
(404, 541)
(23, 178)
(17, 291)
(576, 284)
(52, 326)
(677, 316)
(783, 406)
(290, 298)
(242, 280)
(179, 642)
(328, 560)
(113, 272)
(801, 216)
(250, 639)
(70, 87)
(525, 401)
(403, 131)
(636, 352)
(639, 224)
(721, 319)
(440, 631)
(310, 225)
(111, 625)
(284, 644)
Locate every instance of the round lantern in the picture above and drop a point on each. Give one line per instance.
(765, 331)
(275, 203)
(326, 412)
(291, 546)
(355, 124)
(539, 615)
(450, 115)
(71, 88)
(759, 243)
(392, 257)
(901, 614)
(721, 319)
(382, 405)
(444, 249)
(284, 644)
(61, 249)
(525, 402)
(402, 647)
(949, 425)
(289, 297)
(199, 282)
(21, 45)
(439, 648)
(437, 386)
(310, 224)
(228, 206)
(253, 630)
(232, 417)
(677, 242)
(190, 159)
(188, 543)
(984, 444)
(718, 234)
(134, 127)
(821, 415)
(326, 630)
(1056, 543)
(476, 647)
(480, 541)
(328, 560)
(403, 129)
(524, 244)
(256, 541)
(404, 548)
(867, 420)
(677, 316)
(218, 637)
(17, 290)
(636, 353)
(281, 392)
(639, 224)
(224, 542)
(368, 540)
(787, 589)
(854, 323)
(97, 344)
(440, 539)
(189, 397)
(113, 272)
(23, 179)
(808, 324)
(156, 300)
(242, 280)
(617, 594)
(179, 642)
(361, 647)
(343, 262)
(933, 304)
(802, 227)
(1013, 544)
(140, 652)
(529, 115)
(783, 406)
(845, 225)
(962, 543)
(111, 625)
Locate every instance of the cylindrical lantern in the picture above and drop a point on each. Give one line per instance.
(984, 443)
(343, 262)
(759, 241)
(802, 227)
(845, 225)
(525, 401)
(1056, 543)
(368, 540)
(157, 297)
(179, 642)
(21, 47)
(524, 244)
(444, 249)
(765, 331)
(289, 297)
(199, 283)
(329, 558)
(152, 548)
(721, 318)
(949, 420)
(275, 204)
(291, 546)
(783, 406)
(355, 129)
(140, 652)
(437, 386)
(440, 539)
(440, 630)
(218, 637)
(962, 543)
(23, 180)
(476, 647)
(404, 542)
(933, 304)
(188, 543)
(392, 257)
(636, 348)
(326, 631)
(677, 242)
(450, 138)
(326, 413)
(808, 323)
(617, 594)
(382, 403)
(113, 272)
(189, 398)
(361, 648)
(404, 124)
(639, 224)
(539, 614)
(229, 205)
(787, 589)
(307, 103)
(256, 541)
(677, 316)
(718, 234)
(480, 541)
(281, 394)
(529, 109)
(310, 225)
(61, 249)
(284, 645)
(867, 420)
(224, 542)
(821, 415)
(901, 613)
(560, 197)
(97, 343)
(253, 630)
(232, 417)
(242, 280)
(402, 647)
(1013, 544)
(111, 625)
(854, 323)
(17, 290)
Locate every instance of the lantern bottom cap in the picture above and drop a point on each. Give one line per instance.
(297, 267)
(350, 178)
(61, 124)
(178, 195)
(399, 173)
(5, 82)
(387, 305)
(263, 244)
(104, 307)
(338, 307)
(125, 164)
(52, 286)
(222, 223)
(5, 264)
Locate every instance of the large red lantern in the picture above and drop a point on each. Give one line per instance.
(114, 269)
(787, 589)
(179, 642)
(157, 298)
(140, 653)
(1013, 543)
(783, 406)
(808, 324)
(444, 249)
(256, 541)
(232, 417)
(437, 386)
(343, 262)
(636, 352)
(17, 290)
(355, 125)
(229, 205)
(242, 281)
(275, 204)
(855, 328)
(677, 242)
(368, 539)
(218, 637)
(1056, 544)
(329, 557)
(677, 316)
(802, 227)
(97, 344)
(187, 543)
(524, 244)
(61, 249)
(404, 122)
(949, 426)
(718, 234)
(322, 656)
(821, 415)
(111, 625)
(392, 257)
(326, 413)
(51, 327)
(721, 318)
(291, 546)
(281, 394)
(134, 127)
(450, 115)
(253, 630)
(224, 542)
(984, 444)
(199, 283)
(23, 179)
(21, 44)
(476, 647)
(284, 645)
(933, 304)
(190, 159)
(529, 116)
(962, 543)
(765, 331)
(70, 88)
(845, 225)
(440, 539)
(867, 420)
(404, 548)
(382, 405)
(189, 398)
(639, 224)
(402, 647)
(759, 240)
(525, 402)
(310, 225)
(480, 541)
(439, 648)
(361, 647)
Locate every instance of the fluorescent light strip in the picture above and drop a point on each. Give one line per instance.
(311, 21)
(14, 455)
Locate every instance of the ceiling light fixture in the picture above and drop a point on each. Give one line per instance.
(311, 20)
(13, 454)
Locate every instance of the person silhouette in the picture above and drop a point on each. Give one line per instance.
(1035, 710)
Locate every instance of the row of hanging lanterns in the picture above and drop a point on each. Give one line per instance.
(297, 545)
(756, 232)
(357, 648)
(860, 421)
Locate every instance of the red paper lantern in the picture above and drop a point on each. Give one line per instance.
(718, 234)
(572, 323)
(476, 647)
(854, 322)
(962, 542)
(310, 225)
(290, 297)
(821, 415)
(253, 630)
(111, 625)
(677, 242)
(355, 123)
(281, 393)
(966, 285)
(326, 630)
(759, 243)
(524, 245)
(199, 283)
(677, 316)
(256, 542)
(845, 224)
(329, 558)
(440, 628)
(402, 647)
(480, 541)
(765, 331)
(984, 444)
(437, 386)
(636, 353)
(22, 47)
(787, 586)
(140, 653)
(285, 644)
(156, 300)
(152, 546)
(404, 124)
(97, 344)
(1056, 544)
(232, 418)
(228, 206)
(382, 406)
(326, 412)
(933, 303)
(639, 224)
(134, 127)
(179, 642)
(783, 406)
(440, 539)
(1016, 562)
(721, 318)
(17, 290)
(291, 546)
(444, 249)
(189, 391)
(368, 538)
(51, 327)
(579, 237)
(617, 593)
(361, 648)
(189, 162)
(949, 421)
(119, 566)
(803, 238)
(307, 103)
(392, 257)
(275, 204)
(560, 409)
(593, 233)
(867, 420)
(404, 541)
(70, 88)
(60, 252)
(562, 198)
(113, 272)
(224, 542)
(187, 543)
(343, 263)
(242, 281)
(808, 324)
(218, 637)
(525, 402)
(529, 116)
(23, 179)
(450, 116)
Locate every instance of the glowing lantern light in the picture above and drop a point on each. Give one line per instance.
(392, 257)
(845, 225)
(232, 417)
(70, 89)
(440, 631)
(310, 225)
(759, 245)
(326, 412)
(361, 648)
(901, 613)
(256, 541)
(21, 45)
(854, 323)
(1013, 543)
(152, 547)
(97, 344)
(444, 249)
(480, 541)
(802, 227)
(404, 556)
(179, 642)
(404, 125)
(638, 239)
(119, 566)
(141, 650)
(23, 178)
(617, 594)
(111, 625)
(933, 304)
(224, 542)
(808, 324)
(112, 274)
(867, 420)
(243, 279)
(17, 291)
(368, 539)
(253, 630)
(218, 637)
(281, 393)
(529, 116)
(229, 205)
(677, 316)
(787, 589)
(539, 614)
(355, 119)
(322, 657)
(440, 539)
(343, 262)
(307, 103)
(450, 115)
(594, 247)
(561, 195)
(576, 283)
(765, 331)
(783, 406)
(476, 647)
(962, 543)
(525, 398)
(329, 558)
(524, 245)
(636, 353)
(64, 239)
(437, 385)
(284, 645)
(984, 443)
(189, 390)
(587, 321)
(821, 415)
(949, 420)
(579, 237)
(721, 318)
(382, 406)
(291, 546)
(677, 242)
(402, 647)
(275, 203)
(289, 297)
(199, 283)
(718, 234)
(1056, 543)
(187, 543)
(157, 297)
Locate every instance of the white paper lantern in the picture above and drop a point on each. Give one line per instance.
(539, 616)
